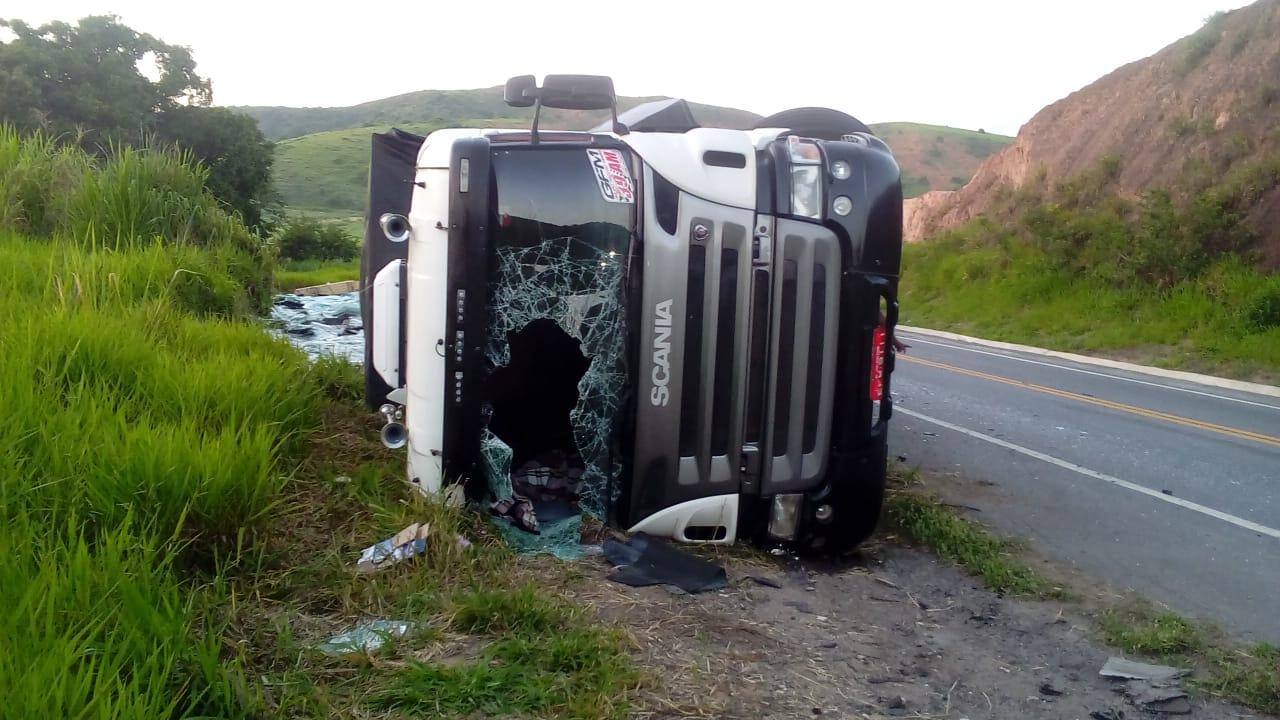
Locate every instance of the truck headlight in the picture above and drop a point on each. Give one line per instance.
(806, 191)
(784, 516)
(806, 177)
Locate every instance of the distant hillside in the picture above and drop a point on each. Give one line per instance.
(1202, 111)
(933, 157)
(453, 107)
(326, 170)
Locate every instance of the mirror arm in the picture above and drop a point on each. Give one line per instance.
(537, 113)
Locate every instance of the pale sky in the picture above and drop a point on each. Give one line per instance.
(982, 63)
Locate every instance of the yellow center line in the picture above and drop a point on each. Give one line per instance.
(1156, 414)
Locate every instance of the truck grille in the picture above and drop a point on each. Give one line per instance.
(801, 368)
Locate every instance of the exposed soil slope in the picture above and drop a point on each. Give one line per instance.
(1198, 107)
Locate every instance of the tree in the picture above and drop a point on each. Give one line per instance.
(238, 156)
(101, 83)
(87, 81)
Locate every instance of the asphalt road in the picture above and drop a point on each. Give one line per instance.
(1164, 486)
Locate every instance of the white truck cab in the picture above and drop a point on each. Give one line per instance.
(683, 330)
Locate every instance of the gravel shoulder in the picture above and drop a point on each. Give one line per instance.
(893, 633)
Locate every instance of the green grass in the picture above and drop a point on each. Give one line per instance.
(147, 435)
(305, 273)
(1013, 295)
(544, 657)
(923, 519)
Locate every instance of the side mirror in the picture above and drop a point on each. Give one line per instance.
(577, 92)
(520, 91)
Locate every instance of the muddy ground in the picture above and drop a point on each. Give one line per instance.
(892, 633)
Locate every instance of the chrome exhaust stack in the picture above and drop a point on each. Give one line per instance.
(394, 434)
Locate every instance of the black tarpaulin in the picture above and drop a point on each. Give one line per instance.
(392, 160)
(815, 122)
(645, 560)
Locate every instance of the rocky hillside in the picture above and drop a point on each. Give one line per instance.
(1183, 119)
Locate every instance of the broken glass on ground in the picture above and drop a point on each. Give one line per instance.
(366, 638)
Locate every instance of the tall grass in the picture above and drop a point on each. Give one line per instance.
(149, 427)
(132, 199)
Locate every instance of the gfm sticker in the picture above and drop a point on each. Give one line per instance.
(612, 175)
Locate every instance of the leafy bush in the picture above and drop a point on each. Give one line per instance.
(1264, 310)
(306, 238)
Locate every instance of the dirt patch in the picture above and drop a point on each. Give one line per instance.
(893, 634)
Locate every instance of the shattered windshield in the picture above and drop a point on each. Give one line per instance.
(556, 335)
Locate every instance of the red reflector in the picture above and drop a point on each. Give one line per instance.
(877, 364)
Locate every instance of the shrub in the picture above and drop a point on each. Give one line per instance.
(1263, 312)
(1203, 42)
(305, 238)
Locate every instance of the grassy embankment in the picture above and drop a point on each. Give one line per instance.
(1248, 675)
(182, 497)
(1166, 279)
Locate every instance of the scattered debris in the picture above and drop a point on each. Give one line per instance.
(325, 325)
(365, 638)
(463, 543)
(1166, 491)
(898, 703)
(401, 546)
(1050, 690)
(1117, 667)
(645, 560)
(1108, 714)
(767, 582)
(801, 606)
(902, 458)
(930, 434)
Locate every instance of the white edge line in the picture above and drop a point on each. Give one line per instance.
(1172, 500)
(1209, 380)
(1098, 374)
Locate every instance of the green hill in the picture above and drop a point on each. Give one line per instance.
(322, 154)
(452, 107)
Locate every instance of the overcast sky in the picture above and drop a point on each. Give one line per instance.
(981, 63)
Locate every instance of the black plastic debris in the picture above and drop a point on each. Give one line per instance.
(1049, 690)
(645, 560)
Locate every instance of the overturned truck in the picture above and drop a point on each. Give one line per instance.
(684, 331)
